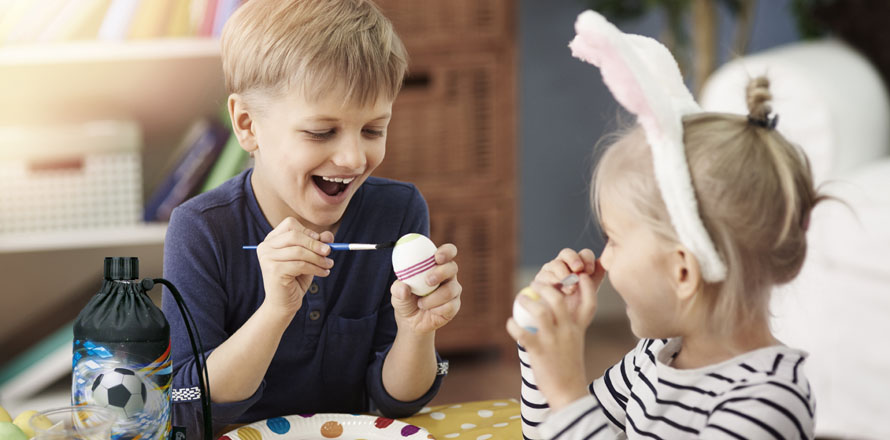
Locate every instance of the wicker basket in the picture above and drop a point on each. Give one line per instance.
(453, 135)
(482, 228)
(451, 25)
(450, 125)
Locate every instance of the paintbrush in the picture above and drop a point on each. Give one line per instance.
(351, 246)
(570, 280)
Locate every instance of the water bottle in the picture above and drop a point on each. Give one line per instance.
(122, 355)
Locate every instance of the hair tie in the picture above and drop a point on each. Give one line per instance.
(766, 122)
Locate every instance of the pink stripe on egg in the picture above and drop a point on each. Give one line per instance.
(410, 271)
(406, 275)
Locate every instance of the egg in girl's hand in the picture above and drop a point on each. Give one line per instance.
(413, 256)
(521, 315)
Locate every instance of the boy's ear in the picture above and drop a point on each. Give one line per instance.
(242, 122)
(685, 274)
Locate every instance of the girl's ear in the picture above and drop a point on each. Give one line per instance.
(685, 274)
(242, 123)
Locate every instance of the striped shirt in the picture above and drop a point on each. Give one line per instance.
(760, 394)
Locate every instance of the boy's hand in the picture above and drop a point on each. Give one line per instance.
(426, 314)
(289, 257)
(556, 350)
(581, 307)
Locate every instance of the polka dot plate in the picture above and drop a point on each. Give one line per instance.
(328, 426)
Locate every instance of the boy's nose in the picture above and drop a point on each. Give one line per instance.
(351, 154)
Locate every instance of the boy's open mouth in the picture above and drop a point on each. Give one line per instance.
(332, 186)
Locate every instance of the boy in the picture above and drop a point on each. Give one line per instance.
(292, 327)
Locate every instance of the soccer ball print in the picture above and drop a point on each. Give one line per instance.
(120, 390)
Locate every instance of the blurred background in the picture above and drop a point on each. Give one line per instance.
(113, 114)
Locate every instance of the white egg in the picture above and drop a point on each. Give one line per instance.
(412, 257)
(521, 315)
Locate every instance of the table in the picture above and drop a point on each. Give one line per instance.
(489, 419)
(479, 420)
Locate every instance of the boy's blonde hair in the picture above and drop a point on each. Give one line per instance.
(754, 191)
(317, 45)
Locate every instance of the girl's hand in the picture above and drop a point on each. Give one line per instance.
(289, 257)
(427, 313)
(556, 350)
(568, 262)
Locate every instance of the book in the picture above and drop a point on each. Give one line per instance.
(179, 24)
(197, 11)
(206, 28)
(188, 174)
(44, 363)
(116, 22)
(231, 161)
(37, 18)
(12, 15)
(224, 10)
(80, 22)
(150, 19)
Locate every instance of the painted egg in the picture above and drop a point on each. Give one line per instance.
(412, 257)
(521, 315)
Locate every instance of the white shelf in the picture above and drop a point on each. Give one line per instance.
(99, 51)
(164, 84)
(137, 235)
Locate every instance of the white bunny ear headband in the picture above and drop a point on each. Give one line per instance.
(644, 78)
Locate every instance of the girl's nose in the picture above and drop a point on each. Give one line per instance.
(606, 257)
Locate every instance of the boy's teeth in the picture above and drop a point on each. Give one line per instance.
(338, 179)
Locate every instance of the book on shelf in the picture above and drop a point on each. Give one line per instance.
(179, 24)
(231, 161)
(37, 17)
(79, 20)
(46, 362)
(118, 18)
(206, 28)
(189, 172)
(29, 21)
(224, 10)
(151, 19)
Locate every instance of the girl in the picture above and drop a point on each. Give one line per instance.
(704, 213)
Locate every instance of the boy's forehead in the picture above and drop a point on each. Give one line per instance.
(335, 97)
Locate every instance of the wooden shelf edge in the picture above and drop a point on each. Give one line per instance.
(141, 234)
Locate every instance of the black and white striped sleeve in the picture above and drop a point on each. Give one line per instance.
(583, 419)
(533, 407)
(773, 409)
(613, 389)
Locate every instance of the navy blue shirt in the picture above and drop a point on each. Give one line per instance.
(330, 358)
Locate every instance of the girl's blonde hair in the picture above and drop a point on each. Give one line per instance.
(317, 45)
(754, 191)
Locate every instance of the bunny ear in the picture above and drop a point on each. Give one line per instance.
(645, 79)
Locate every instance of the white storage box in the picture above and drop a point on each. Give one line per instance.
(69, 177)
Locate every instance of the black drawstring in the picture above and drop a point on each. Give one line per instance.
(197, 349)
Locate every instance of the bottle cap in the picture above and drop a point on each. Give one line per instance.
(121, 268)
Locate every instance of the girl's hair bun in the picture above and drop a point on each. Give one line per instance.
(758, 97)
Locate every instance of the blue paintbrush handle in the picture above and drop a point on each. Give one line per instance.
(340, 247)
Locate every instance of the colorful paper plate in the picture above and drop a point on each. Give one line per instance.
(328, 426)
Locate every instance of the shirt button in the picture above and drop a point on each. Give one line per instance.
(313, 288)
(314, 315)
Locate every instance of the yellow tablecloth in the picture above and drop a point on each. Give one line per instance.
(489, 419)
(482, 420)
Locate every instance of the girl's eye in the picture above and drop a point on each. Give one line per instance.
(370, 132)
(321, 135)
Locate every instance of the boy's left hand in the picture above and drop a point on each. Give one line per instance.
(427, 313)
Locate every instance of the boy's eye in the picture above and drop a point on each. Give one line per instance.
(370, 132)
(321, 135)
